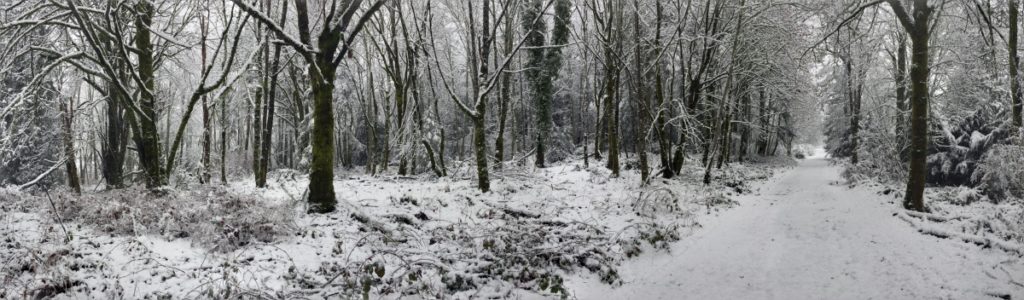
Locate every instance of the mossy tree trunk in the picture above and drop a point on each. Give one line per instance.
(544, 60)
(611, 84)
(332, 44)
(147, 137)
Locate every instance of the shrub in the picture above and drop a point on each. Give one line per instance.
(210, 216)
(954, 155)
(1001, 171)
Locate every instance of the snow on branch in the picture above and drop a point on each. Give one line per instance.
(928, 229)
(276, 28)
(43, 175)
(35, 80)
(934, 217)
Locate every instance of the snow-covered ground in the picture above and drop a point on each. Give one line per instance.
(393, 236)
(565, 231)
(807, 235)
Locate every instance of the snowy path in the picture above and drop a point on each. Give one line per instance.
(804, 237)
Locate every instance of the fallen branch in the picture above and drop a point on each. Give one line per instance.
(404, 219)
(372, 223)
(934, 217)
(43, 175)
(974, 239)
(514, 212)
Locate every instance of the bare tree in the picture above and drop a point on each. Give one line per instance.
(338, 30)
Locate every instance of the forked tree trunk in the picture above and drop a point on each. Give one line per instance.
(271, 66)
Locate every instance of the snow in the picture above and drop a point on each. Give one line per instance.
(818, 153)
(805, 237)
(799, 235)
(537, 226)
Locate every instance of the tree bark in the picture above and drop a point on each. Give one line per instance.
(115, 143)
(901, 95)
(257, 134)
(70, 163)
(642, 110)
(853, 96)
(504, 97)
(148, 138)
(611, 83)
(224, 137)
(205, 160)
(1014, 63)
(272, 66)
(332, 45)
(321, 171)
(918, 29)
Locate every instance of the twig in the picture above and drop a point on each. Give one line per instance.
(67, 237)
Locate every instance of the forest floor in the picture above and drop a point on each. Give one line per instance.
(807, 235)
(763, 230)
(392, 236)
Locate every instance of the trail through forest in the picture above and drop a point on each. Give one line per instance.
(806, 236)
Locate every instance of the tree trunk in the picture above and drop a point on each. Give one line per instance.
(505, 96)
(148, 138)
(205, 160)
(919, 73)
(901, 96)
(433, 161)
(611, 84)
(257, 135)
(440, 154)
(642, 110)
(70, 163)
(480, 145)
(115, 142)
(1014, 63)
(479, 120)
(543, 65)
(270, 68)
(918, 29)
(741, 152)
(224, 137)
(763, 122)
(321, 170)
(853, 97)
